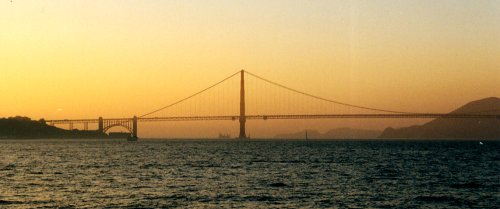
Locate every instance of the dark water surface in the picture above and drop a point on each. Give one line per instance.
(249, 174)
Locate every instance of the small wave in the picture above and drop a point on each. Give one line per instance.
(235, 166)
(36, 172)
(8, 202)
(436, 198)
(326, 201)
(150, 165)
(202, 165)
(227, 197)
(452, 201)
(167, 197)
(141, 187)
(260, 161)
(263, 198)
(39, 202)
(8, 167)
(279, 184)
(470, 185)
(294, 161)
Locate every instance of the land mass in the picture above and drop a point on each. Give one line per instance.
(441, 128)
(25, 128)
(338, 133)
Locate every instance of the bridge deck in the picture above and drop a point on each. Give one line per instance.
(281, 117)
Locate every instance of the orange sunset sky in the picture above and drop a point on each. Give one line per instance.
(84, 59)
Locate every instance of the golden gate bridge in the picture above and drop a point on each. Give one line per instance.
(269, 101)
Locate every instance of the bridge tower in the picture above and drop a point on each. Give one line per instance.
(101, 125)
(243, 118)
(134, 127)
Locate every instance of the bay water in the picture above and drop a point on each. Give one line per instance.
(249, 174)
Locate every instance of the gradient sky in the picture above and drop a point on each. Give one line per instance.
(83, 59)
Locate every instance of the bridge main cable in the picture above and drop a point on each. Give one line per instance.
(189, 97)
(327, 100)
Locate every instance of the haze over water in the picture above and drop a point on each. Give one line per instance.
(251, 174)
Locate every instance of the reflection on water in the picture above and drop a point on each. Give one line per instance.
(342, 174)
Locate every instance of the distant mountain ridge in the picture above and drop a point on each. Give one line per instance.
(338, 133)
(456, 128)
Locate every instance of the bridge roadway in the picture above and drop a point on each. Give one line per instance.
(280, 117)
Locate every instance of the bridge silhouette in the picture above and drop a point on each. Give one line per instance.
(297, 105)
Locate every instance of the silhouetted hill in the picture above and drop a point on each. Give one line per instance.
(25, 128)
(456, 128)
(339, 133)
